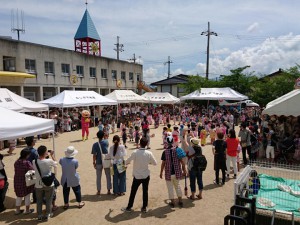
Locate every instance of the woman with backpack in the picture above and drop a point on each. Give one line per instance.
(196, 165)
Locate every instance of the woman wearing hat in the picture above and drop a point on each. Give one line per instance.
(70, 177)
(195, 149)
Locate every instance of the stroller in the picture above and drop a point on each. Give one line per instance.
(286, 148)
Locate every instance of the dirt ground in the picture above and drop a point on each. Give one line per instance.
(106, 209)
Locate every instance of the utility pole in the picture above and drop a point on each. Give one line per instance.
(169, 64)
(119, 47)
(133, 59)
(208, 33)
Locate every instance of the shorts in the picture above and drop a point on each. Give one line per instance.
(270, 150)
(137, 140)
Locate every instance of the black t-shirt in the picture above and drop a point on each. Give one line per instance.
(220, 147)
(163, 158)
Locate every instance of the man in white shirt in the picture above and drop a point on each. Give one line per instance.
(43, 166)
(141, 174)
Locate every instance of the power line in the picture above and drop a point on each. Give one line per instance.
(119, 47)
(208, 33)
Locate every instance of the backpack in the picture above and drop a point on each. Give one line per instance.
(199, 162)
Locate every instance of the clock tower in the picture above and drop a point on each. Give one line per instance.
(87, 39)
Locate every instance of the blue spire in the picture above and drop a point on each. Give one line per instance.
(87, 28)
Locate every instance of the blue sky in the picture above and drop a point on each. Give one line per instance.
(263, 34)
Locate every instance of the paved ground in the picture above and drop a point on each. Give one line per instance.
(106, 209)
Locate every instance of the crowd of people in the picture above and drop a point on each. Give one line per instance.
(186, 129)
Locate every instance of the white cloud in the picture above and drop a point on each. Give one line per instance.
(265, 58)
(253, 27)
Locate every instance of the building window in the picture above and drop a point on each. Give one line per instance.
(9, 63)
(130, 76)
(79, 71)
(114, 74)
(123, 75)
(65, 69)
(104, 73)
(30, 66)
(49, 68)
(181, 90)
(93, 72)
(138, 77)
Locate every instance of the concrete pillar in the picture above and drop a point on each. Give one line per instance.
(41, 96)
(57, 90)
(22, 90)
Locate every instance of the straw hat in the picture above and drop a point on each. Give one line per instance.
(195, 141)
(70, 152)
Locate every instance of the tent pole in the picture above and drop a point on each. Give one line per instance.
(94, 116)
(53, 144)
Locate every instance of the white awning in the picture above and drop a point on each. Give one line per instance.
(160, 98)
(126, 96)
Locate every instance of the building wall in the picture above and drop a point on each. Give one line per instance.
(58, 81)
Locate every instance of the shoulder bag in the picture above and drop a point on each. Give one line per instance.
(30, 178)
(106, 163)
(48, 179)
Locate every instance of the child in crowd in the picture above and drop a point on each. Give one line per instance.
(169, 129)
(124, 137)
(12, 146)
(212, 133)
(106, 129)
(181, 130)
(100, 126)
(131, 133)
(146, 134)
(164, 136)
(137, 136)
(113, 126)
(203, 136)
(175, 135)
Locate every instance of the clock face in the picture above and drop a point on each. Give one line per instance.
(73, 79)
(94, 47)
(119, 83)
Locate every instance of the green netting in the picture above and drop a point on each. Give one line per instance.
(283, 200)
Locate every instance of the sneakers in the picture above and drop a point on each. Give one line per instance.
(28, 212)
(47, 216)
(144, 210)
(126, 209)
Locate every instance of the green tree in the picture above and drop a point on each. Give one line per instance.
(196, 82)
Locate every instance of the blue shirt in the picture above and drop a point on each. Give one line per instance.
(96, 150)
(69, 173)
(33, 154)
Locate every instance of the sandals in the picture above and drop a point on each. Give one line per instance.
(81, 204)
(171, 204)
(191, 197)
(54, 208)
(199, 197)
(66, 206)
(28, 212)
(19, 212)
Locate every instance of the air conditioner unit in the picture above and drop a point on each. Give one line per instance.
(12, 68)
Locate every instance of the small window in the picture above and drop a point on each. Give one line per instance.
(104, 73)
(49, 68)
(9, 63)
(30, 66)
(130, 76)
(123, 75)
(92, 72)
(114, 74)
(79, 71)
(138, 77)
(65, 69)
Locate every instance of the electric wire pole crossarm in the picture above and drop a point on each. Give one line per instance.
(119, 47)
(208, 33)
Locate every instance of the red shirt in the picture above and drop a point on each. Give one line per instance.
(232, 145)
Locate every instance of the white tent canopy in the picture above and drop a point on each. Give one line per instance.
(126, 96)
(12, 101)
(215, 94)
(68, 98)
(160, 98)
(286, 105)
(14, 125)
